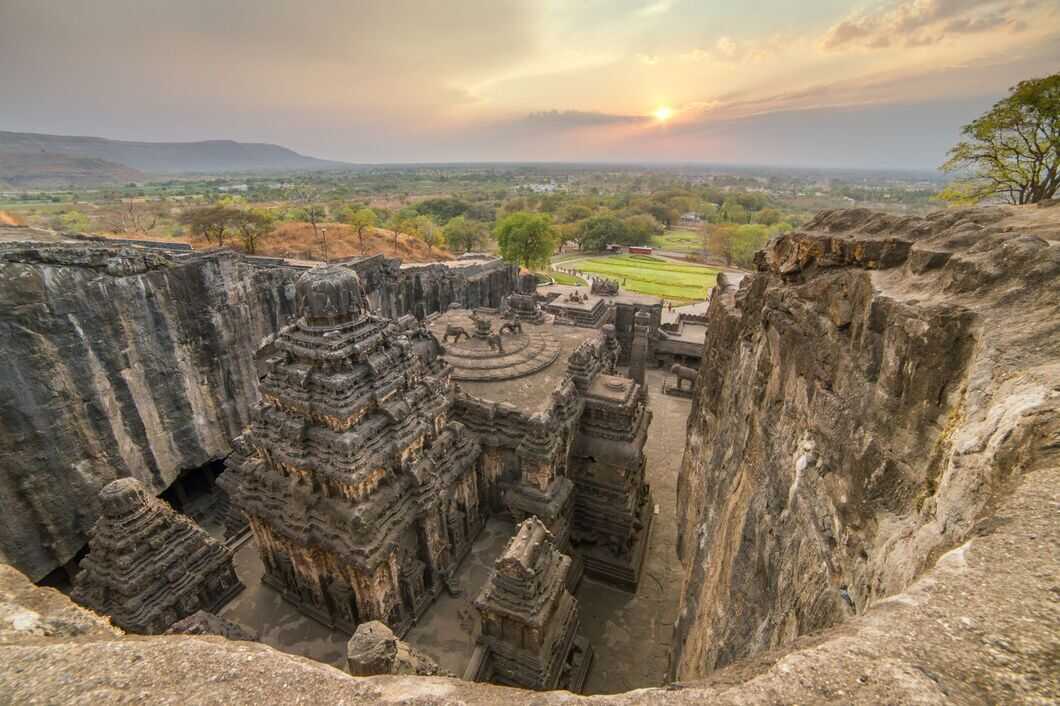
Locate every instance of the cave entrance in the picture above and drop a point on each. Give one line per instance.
(61, 578)
(195, 493)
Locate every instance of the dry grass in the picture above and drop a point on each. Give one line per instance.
(299, 242)
(7, 219)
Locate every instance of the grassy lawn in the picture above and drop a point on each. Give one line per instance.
(679, 241)
(651, 275)
(564, 278)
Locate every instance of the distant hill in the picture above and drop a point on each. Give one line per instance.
(41, 170)
(211, 156)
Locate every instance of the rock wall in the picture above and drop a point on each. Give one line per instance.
(118, 363)
(866, 400)
(129, 362)
(423, 289)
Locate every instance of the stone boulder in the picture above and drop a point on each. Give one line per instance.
(375, 649)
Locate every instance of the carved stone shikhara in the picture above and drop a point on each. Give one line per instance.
(148, 566)
(361, 493)
(529, 619)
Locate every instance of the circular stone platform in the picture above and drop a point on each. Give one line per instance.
(473, 360)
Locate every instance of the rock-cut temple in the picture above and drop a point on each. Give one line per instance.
(380, 448)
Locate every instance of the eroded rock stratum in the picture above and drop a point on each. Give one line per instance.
(865, 401)
(121, 362)
(869, 503)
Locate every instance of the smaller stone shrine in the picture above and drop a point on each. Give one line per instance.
(530, 621)
(148, 566)
(604, 287)
(522, 304)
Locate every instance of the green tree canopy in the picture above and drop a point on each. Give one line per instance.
(252, 225)
(595, 233)
(211, 222)
(526, 238)
(641, 227)
(444, 209)
(463, 234)
(767, 216)
(362, 220)
(1013, 150)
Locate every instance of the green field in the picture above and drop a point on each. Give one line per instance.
(679, 241)
(564, 278)
(652, 275)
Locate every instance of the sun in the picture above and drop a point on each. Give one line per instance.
(663, 113)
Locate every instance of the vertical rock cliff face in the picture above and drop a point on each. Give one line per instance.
(118, 363)
(864, 400)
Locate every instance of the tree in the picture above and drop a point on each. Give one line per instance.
(641, 228)
(526, 238)
(362, 220)
(402, 222)
(442, 210)
(210, 222)
(252, 224)
(574, 212)
(426, 230)
(314, 214)
(718, 241)
(767, 217)
(745, 242)
(732, 212)
(74, 222)
(597, 232)
(1013, 150)
(133, 217)
(464, 234)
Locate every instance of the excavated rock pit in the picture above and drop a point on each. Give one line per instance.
(867, 508)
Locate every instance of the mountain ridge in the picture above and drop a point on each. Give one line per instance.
(203, 156)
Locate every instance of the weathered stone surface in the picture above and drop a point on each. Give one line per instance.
(124, 361)
(865, 401)
(202, 623)
(529, 619)
(978, 627)
(361, 493)
(148, 566)
(375, 649)
(118, 363)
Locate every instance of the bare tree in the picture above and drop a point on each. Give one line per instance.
(133, 217)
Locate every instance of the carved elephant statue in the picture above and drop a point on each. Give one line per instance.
(456, 332)
(494, 341)
(512, 327)
(683, 374)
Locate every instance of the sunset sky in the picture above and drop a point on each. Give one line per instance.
(810, 82)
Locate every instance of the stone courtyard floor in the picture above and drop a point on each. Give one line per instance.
(280, 624)
(630, 633)
(447, 631)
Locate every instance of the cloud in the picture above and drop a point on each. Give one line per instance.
(572, 119)
(924, 22)
(661, 7)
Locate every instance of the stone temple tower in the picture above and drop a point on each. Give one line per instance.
(360, 492)
(530, 620)
(148, 566)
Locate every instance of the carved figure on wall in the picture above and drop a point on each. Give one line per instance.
(494, 341)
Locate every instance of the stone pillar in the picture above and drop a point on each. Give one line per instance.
(638, 360)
